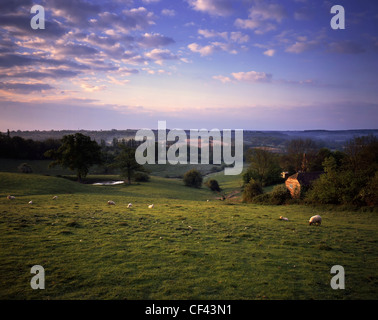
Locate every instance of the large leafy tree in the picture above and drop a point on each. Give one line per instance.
(78, 153)
(263, 168)
(127, 164)
(300, 155)
(351, 179)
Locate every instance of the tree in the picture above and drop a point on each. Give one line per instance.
(279, 195)
(193, 178)
(78, 153)
(351, 178)
(251, 190)
(300, 155)
(264, 167)
(213, 185)
(126, 162)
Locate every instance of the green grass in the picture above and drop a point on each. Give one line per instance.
(183, 248)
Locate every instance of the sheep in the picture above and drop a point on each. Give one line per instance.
(317, 220)
(30, 202)
(55, 197)
(284, 218)
(151, 206)
(129, 205)
(11, 197)
(111, 203)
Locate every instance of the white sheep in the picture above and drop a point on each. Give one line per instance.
(317, 220)
(111, 203)
(30, 202)
(55, 197)
(151, 206)
(284, 218)
(11, 197)
(129, 205)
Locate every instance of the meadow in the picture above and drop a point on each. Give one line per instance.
(184, 248)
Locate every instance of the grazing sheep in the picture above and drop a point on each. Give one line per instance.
(317, 220)
(11, 197)
(129, 205)
(55, 197)
(284, 218)
(151, 206)
(30, 202)
(111, 203)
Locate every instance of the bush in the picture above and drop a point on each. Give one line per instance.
(264, 198)
(193, 178)
(25, 168)
(251, 190)
(279, 195)
(141, 177)
(369, 194)
(213, 185)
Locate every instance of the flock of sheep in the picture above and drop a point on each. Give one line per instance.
(112, 203)
(314, 220)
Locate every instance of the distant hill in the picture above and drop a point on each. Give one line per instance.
(275, 140)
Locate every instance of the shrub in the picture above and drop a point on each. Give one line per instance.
(213, 185)
(193, 178)
(264, 198)
(251, 190)
(25, 168)
(141, 177)
(369, 194)
(279, 195)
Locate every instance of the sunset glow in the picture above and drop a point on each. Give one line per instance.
(247, 64)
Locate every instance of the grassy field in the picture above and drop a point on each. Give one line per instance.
(184, 248)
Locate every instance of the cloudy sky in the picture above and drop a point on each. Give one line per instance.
(226, 64)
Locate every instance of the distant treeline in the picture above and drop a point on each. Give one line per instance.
(20, 148)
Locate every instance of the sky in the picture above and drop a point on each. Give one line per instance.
(225, 64)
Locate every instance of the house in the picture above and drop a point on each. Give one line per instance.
(296, 182)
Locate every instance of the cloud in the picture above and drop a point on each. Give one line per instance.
(47, 73)
(222, 79)
(24, 88)
(19, 60)
(252, 76)
(91, 88)
(149, 40)
(262, 17)
(77, 50)
(11, 6)
(168, 12)
(18, 25)
(346, 47)
(239, 37)
(212, 34)
(211, 48)
(213, 7)
(75, 12)
(159, 55)
(129, 20)
(302, 46)
(203, 51)
(270, 52)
